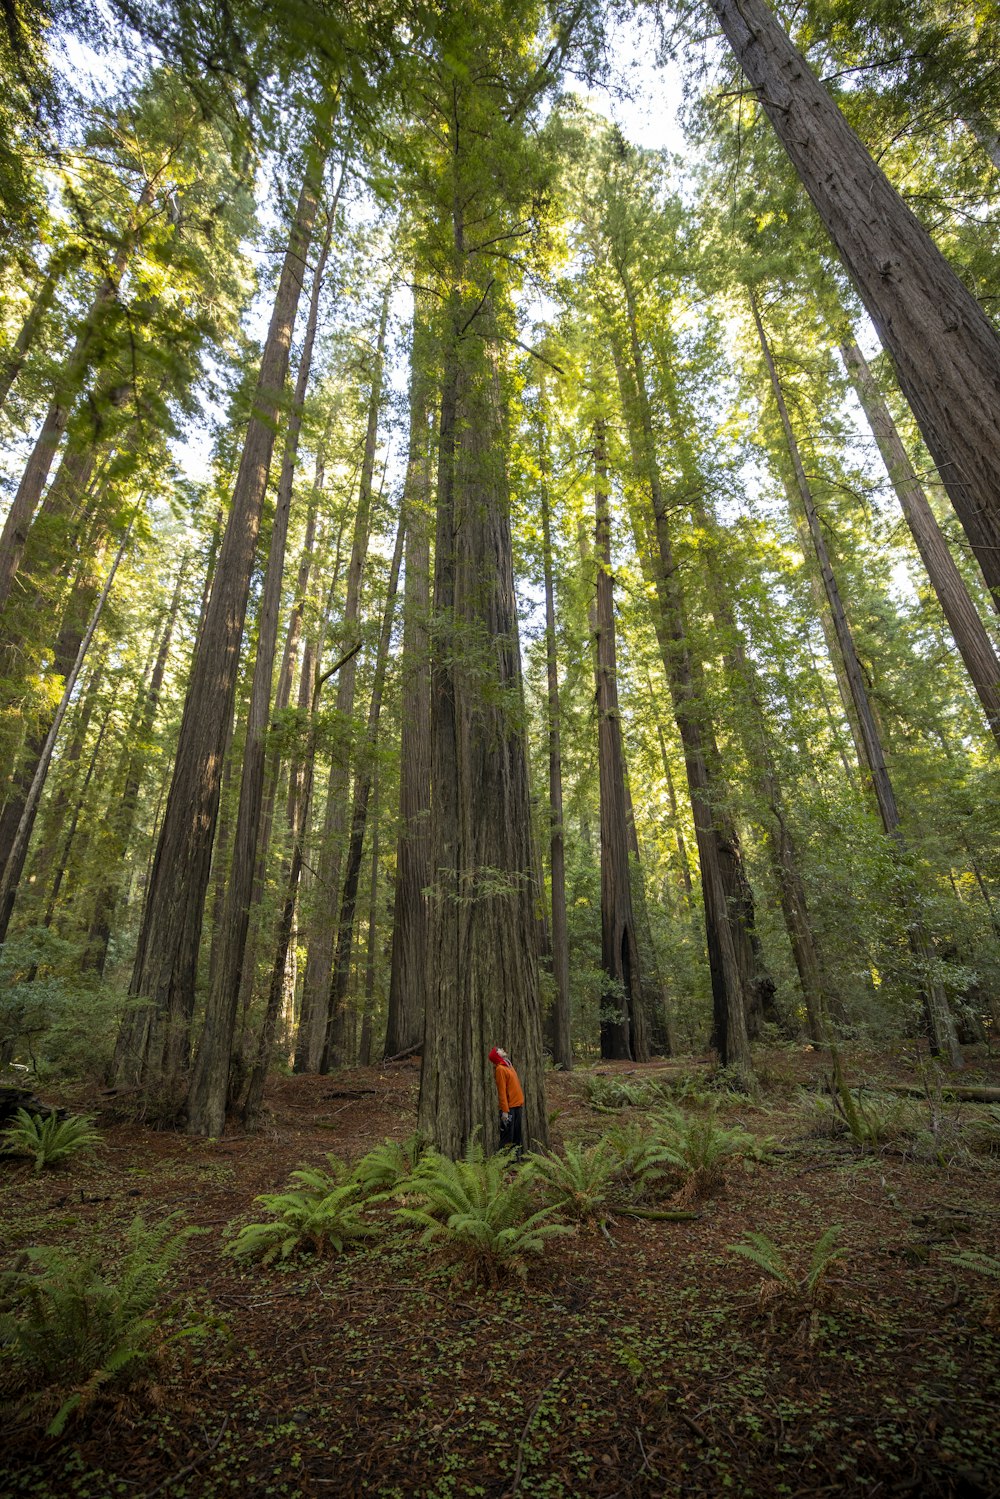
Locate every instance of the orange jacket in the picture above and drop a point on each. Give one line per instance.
(509, 1090)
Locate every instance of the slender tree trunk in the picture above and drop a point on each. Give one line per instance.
(209, 1085)
(408, 967)
(683, 862)
(59, 264)
(935, 1002)
(154, 1036)
(968, 630)
(718, 848)
(300, 800)
(623, 1031)
(123, 817)
(333, 1044)
(944, 348)
(368, 1014)
(68, 385)
(562, 1044)
(322, 929)
(18, 853)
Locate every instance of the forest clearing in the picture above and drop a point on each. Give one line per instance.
(637, 1357)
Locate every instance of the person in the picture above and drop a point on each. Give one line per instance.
(510, 1095)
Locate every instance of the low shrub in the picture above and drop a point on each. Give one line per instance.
(319, 1214)
(577, 1182)
(70, 1326)
(48, 1138)
(479, 1213)
(787, 1289)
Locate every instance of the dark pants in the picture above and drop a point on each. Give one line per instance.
(511, 1132)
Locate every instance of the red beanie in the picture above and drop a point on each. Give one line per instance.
(497, 1058)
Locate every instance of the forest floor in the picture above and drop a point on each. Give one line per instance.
(640, 1358)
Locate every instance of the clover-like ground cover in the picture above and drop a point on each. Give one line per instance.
(639, 1358)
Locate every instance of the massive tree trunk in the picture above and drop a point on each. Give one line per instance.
(940, 1022)
(562, 1045)
(482, 986)
(623, 1029)
(322, 927)
(970, 634)
(333, 1045)
(944, 348)
(209, 1086)
(153, 1038)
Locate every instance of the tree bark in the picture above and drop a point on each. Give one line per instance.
(408, 970)
(718, 848)
(969, 632)
(209, 1085)
(623, 1029)
(126, 804)
(945, 350)
(333, 1045)
(19, 850)
(940, 1022)
(69, 383)
(562, 1044)
(322, 928)
(154, 1037)
(482, 975)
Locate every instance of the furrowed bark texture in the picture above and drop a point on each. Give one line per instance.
(944, 348)
(154, 1037)
(718, 847)
(562, 1047)
(482, 977)
(334, 1046)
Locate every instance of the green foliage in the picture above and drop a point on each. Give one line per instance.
(577, 1182)
(699, 1147)
(479, 1212)
(70, 1326)
(641, 1159)
(320, 1214)
(609, 1094)
(48, 1138)
(786, 1287)
(388, 1165)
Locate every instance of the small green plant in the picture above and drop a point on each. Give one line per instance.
(609, 1094)
(48, 1138)
(320, 1213)
(699, 1147)
(785, 1287)
(480, 1214)
(70, 1327)
(577, 1182)
(389, 1164)
(642, 1161)
(988, 1266)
